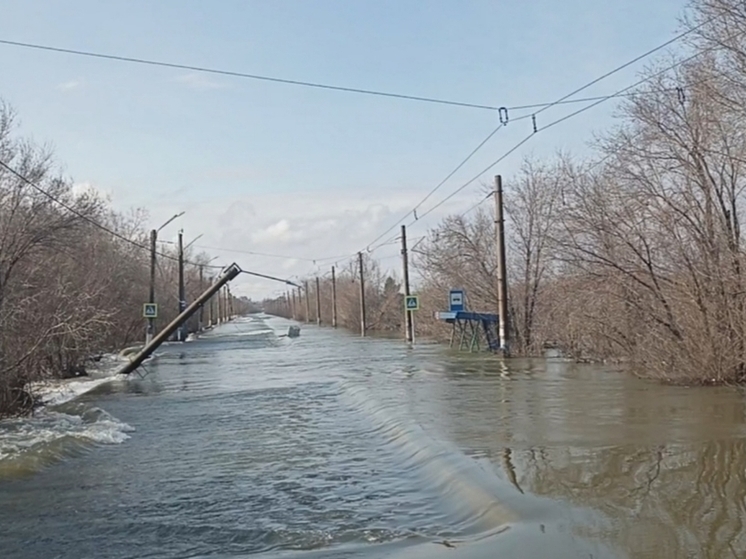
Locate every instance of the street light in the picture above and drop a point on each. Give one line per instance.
(193, 241)
(150, 329)
(178, 215)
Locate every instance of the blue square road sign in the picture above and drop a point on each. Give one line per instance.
(456, 300)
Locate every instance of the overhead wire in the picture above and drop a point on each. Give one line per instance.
(111, 232)
(542, 107)
(303, 83)
(595, 103)
(236, 74)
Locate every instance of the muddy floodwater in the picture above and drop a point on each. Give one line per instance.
(248, 444)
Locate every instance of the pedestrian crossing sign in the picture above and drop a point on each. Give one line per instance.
(150, 310)
(412, 303)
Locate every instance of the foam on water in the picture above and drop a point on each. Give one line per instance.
(36, 441)
(61, 426)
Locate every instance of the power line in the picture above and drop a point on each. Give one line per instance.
(74, 211)
(331, 87)
(543, 107)
(439, 185)
(113, 233)
(554, 123)
(236, 74)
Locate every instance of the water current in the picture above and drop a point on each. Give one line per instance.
(245, 443)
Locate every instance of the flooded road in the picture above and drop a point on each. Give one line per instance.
(245, 443)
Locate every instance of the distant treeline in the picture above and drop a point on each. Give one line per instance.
(634, 256)
(70, 290)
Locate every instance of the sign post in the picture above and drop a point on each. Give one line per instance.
(411, 304)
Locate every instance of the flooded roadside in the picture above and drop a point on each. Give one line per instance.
(248, 444)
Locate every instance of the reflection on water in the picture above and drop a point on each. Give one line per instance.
(246, 443)
(665, 465)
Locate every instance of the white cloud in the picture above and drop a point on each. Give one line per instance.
(303, 226)
(200, 82)
(292, 229)
(68, 85)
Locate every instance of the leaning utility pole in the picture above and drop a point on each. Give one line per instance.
(363, 325)
(308, 303)
(405, 265)
(334, 298)
(502, 280)
(180, 335)
(150, 331)
(318, 302)
(163, 335)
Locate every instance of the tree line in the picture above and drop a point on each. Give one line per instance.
(69, 289)
(634, 255)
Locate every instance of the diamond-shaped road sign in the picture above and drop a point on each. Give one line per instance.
(412, 303)
(150, 310)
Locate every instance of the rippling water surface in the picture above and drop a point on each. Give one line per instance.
(246, 443)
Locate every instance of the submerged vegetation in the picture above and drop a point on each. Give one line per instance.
(636, 255)
(69, 289)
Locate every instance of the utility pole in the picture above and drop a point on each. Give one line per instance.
(201, 323)
(229, 302)
(300, 301)
(164, 334)
(180, 332)
(308, 303)
(405, 265)
(502, 280)
(334, 298)
(150, 331)
(292, 304)
(318, 302)
(210, 315)
(363, 325)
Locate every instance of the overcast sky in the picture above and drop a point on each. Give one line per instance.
(300, 172)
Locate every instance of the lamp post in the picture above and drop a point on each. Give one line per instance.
(150, 328)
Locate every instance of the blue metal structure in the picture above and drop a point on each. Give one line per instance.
(471, 328)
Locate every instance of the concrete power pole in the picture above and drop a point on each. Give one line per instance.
(363, 324)
(201, 323)
(318, 302)
(502, 280)
(180, 332)
(405, 266)
(334, 298)
(300, 302)
(210, 314)
(231, 313)
(150, 331)
(308, 302)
